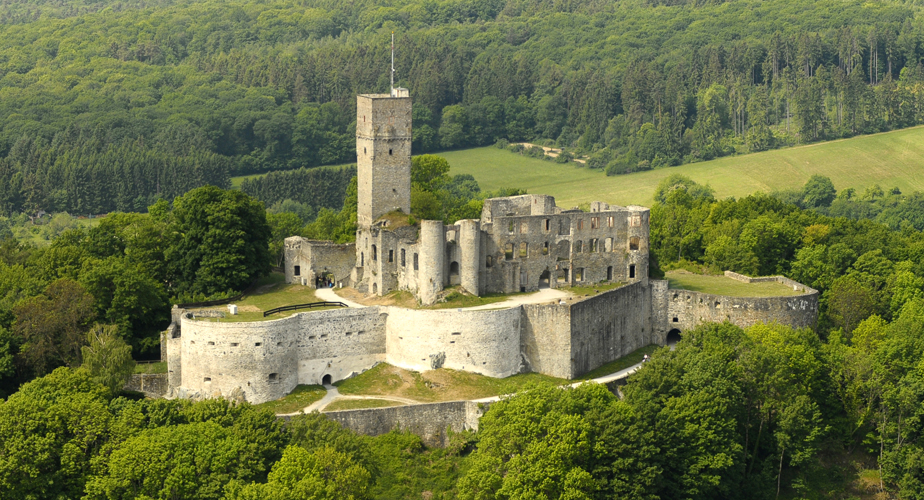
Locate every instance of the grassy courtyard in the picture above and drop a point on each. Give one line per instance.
(890, 159)
(300, 398)
(271, 292)
(720, 285)
(437, 385)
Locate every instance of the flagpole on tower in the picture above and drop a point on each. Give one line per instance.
(392, 63)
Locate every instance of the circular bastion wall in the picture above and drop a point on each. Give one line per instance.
(485, 342)
(258, 359)
(687, 309)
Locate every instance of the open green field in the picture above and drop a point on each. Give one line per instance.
(720, 285)
(891, 159)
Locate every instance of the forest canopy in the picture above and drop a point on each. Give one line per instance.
(112, 106)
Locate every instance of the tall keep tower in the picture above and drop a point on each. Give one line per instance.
(383, 154)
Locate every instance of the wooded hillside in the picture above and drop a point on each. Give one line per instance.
(110, 106)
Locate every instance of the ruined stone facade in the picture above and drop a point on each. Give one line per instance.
(265, 360)
(520, 243)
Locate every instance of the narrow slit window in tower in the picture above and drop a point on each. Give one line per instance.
(391, 256)
(632, 270)
(403, 261)
(415, 261)
(524, 249)
(297, 271)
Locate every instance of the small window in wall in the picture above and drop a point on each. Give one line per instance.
(608, 245)
(211, 343)
(633, 243)
(258, 344)
(563, 276)
(274, 377)
(610, 221)
(593, 245)
(547, 225)
(489, 261)
(207, 379)
(375, 288)
(364, 149)
(524, 227)
(375, 253)
(389, 152)
(594, 222)
(362, 259)
(578, 274)
(457, 333)
(545, 248)
(349, 334)
(391, 256)
(524, 249)
(403, 261)
(511, 226)
(578, 246)
(580, 224)
(508, 251)
(632, 270)
(635, 221)
(675, 320)
(415, 261)
(234, 344)
(297, 271)
(609, 273)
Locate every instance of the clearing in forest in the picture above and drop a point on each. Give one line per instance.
(890, 159)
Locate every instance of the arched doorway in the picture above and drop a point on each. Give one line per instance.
(326, 380)
(673, 337)
(544, 279)
(454, 273)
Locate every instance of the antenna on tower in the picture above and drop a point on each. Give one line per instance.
(393, 64)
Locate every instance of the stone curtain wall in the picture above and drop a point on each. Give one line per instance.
(263, 361)
(485, 342)
(545, 339)
(432, 422)
(687, 309)
(153, 385)
(608, 326)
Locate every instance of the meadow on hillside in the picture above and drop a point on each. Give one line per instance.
(891, 159)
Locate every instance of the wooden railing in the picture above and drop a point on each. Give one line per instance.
(303, 306)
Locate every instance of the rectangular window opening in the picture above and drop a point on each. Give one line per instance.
(415, 261)
(403, 261)
(632, 271)
(545, 248)
(524, 249)
(258, 344)
(633, 243)
(391, 256)
(297, 271)
(547, 225)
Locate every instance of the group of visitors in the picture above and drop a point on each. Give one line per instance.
(324, 282)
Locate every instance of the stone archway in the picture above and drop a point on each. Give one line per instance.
(326, 380)
(454, 278)
(545, 279)
(673, 337)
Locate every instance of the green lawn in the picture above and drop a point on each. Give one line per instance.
(891, 159)
(300, 397)
(720, 285)
(144, 368)
(358, 404)
(437, 385)
(271, 292)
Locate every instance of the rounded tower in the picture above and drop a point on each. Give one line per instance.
(432, 261)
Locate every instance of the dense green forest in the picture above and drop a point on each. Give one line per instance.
(111, 106)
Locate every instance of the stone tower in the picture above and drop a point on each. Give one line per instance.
(383, 154)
